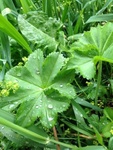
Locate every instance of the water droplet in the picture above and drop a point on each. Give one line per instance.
(34, 57)
(81, 115)
(27, 142)
(37, 106)
(4, 61)
(47, 140)
(37, 72)
(2, 128)
(11, 106)
(29, 120)
(61, 85)
(28, 87)
(19, 74)
(40, 101)
(50, 118)
(50, 125)
(50, 106)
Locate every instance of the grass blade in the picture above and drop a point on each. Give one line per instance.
(27, 5)
(99, 18)
(104, 7)
(8, 28)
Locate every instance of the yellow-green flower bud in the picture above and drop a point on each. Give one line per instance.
(111, 131)
(15, 87)
(4, 92)
(20, 63)
(8, 85)
(25, 59)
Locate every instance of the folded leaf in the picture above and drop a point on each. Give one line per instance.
(36, 36)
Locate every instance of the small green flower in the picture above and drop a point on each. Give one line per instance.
(25, 59)
(15, 87)
(20, 63)
(111, 131)
(4, 92)
(1, 84)
(8, 84)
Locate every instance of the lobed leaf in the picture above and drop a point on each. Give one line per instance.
(91, 48)
(8, 28)
(42, 93)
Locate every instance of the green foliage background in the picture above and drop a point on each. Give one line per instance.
(56, 74)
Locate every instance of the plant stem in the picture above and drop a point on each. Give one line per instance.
(98, 82)
(56, 137)
(79, 143)
(33, 136)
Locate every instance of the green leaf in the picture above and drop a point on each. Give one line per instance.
(100, 18)
(107, 3)
(106, 130)
(42, 90)
(32, 135)
(110, 145)
(8, 28)
(74, 127)
(98, 136)
(109, 113)
(83, 65)
(27, 5)
(111, 83)
(11, 135)
(36, 36)
(91, 48)
(80, 114)
(92, 148)
(46, 24)
(86, 104)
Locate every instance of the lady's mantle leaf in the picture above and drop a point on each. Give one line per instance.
(36, 36)
(42, 91)
(95, 45)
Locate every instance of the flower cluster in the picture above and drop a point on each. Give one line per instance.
(24, 59)
(8, 86)
(111, 131)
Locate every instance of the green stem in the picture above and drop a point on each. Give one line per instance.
(98, 82)
(79, 143)
(31, 135)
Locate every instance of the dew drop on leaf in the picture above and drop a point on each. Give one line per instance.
(4, 62)
(40, 101)
(37, 72)
(50, 125)
(81, 115)
(26, 142)
(19, 74)
(28, 88)
(37, 106)
(11, 106)
(34, 57)
(50, 106)
(2, 128)
(50, 118)
(61, 85)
